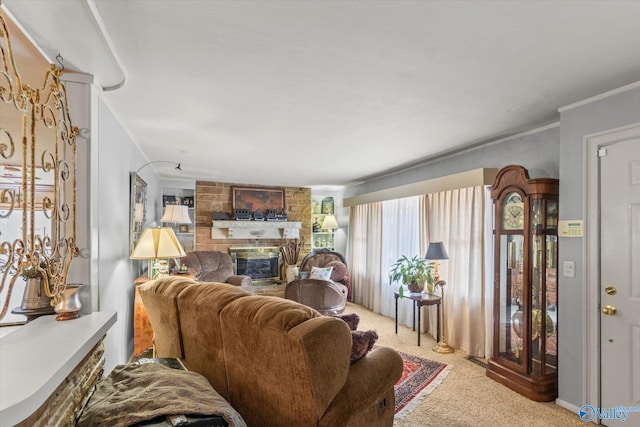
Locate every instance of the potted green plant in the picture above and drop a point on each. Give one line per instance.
(413, 272)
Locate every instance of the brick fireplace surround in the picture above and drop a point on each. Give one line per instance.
(216, 197)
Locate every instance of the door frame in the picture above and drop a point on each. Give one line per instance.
(591, 293)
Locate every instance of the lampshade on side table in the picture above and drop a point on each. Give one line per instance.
(154, 245)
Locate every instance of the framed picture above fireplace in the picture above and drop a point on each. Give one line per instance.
(257, 199)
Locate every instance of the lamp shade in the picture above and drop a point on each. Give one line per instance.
(330, 222)
(178, 214)
(157, 243)
(436, 250)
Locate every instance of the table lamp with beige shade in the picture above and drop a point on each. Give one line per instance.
(155, 245)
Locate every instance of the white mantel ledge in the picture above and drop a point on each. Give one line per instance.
(36, 358)
(255, 230)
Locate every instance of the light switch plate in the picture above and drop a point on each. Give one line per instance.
(569, 269)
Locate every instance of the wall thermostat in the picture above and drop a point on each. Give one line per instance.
(570, 228)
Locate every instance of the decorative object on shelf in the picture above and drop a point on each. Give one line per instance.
(276, 215)
(241, 214)
(412, 272)
(35, 301)
(327, 205)
(316, 226)
(290, 251)
(525, 338)
(220, 216)
(187, 201)
(435, 252)
(155, 244)
(69, 306)
(39, 149)
(258, 216)
(183, 228)
(169, 200)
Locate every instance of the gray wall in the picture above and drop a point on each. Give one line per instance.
(538, 152)
(608, 113)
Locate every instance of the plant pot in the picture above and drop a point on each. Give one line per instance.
(415, 288)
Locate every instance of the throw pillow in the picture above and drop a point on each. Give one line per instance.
(351, 319)
(361, 343)
(320, 273)
(339, 270)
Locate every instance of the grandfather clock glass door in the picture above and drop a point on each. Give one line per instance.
(525, 290)
(511, 281)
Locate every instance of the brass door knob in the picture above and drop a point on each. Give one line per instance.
(609, 310)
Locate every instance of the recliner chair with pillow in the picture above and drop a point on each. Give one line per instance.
(214, 266)
(326, 258)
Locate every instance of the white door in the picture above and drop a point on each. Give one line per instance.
(620, 279)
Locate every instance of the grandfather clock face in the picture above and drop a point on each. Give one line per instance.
(513, 212)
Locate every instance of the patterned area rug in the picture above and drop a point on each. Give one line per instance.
(419, 378)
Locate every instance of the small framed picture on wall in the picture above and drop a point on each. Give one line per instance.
(327, 205)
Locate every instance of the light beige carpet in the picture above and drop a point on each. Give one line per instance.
(467, 397)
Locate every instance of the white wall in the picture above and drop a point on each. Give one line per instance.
(117, 156)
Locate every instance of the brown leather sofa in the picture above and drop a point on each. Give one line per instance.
(214, 266)
(277, 362)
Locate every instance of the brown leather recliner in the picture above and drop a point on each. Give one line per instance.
(214, 266)
(326, 297)
(326, 258)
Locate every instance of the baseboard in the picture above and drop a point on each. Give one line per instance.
(570, 406)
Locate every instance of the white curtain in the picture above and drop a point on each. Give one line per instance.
(365, 241)
(380, 233)
(400, 236)
(457, 218)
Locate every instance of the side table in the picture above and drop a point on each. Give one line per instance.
(420, 300)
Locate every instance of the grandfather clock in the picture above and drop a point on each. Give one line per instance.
(525, 321)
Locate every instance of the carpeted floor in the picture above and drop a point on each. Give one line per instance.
(467, 397)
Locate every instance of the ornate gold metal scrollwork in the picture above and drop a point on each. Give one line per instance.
(37, 174)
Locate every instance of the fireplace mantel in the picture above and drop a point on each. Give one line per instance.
(255, 230)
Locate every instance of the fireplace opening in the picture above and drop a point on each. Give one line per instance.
(262, 264)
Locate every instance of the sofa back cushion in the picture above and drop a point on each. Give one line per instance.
(203, 344)
(285, 362)
(160, 300)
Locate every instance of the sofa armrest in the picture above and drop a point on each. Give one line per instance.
(368, 380)
(239, 280)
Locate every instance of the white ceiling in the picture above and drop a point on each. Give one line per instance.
(320, 93)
